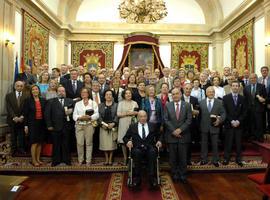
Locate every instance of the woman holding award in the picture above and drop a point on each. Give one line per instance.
(126, 111)
(85, 115)
(108, 131)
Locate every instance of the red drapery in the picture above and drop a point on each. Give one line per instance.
(139, 38)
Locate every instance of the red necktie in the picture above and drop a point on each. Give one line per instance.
(177, 111)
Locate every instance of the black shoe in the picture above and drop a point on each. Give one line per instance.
(153, 183)
(183, 180)
(68, 163)
(175, 178)
(55, 164)
(240, 164)
(137, 182)
(203, 163)
(216, 164)
(189, 163)
(225, 162)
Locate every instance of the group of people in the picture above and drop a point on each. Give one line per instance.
(137, 110)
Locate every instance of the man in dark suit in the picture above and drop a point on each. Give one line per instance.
(58, 119)
(236, 110)
(73, 86)
(212, 114)
(26, 76)
(103, 85)
(195, 112)
(141, 138)
(14, 104)
(177, 119)
(255, 95)
(56, 76)
(64, 72)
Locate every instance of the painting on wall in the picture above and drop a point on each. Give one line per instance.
(92, 54)
(141, 58)
(35, 42)
(189, 56)
(242, 47)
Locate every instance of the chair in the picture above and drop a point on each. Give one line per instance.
(261, 178)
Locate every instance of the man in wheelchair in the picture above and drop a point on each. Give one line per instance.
(143, 143)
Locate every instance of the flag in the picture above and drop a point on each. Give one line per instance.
(22, 65)
(16, 70)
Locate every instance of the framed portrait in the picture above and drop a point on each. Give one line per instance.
(141, 58)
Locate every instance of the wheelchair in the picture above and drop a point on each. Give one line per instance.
(131, 168)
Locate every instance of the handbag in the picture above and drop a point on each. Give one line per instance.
(47, 150)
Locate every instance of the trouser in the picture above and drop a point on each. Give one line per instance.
(256, 126)
(148, 154)
(230, 134)
(84, 133)
(178, 159)
(204, 146)
(61, 146)
(17, 138)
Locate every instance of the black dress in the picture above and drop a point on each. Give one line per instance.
(36, 127)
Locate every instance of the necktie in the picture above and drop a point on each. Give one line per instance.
(253, 90)
(143, 132)
(74, 86)
(19, 98)
(235, 99)
(177, 111)
(264, 82)
(209, 106)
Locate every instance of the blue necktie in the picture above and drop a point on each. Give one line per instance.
(209, 106)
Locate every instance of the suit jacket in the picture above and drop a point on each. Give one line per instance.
(13, 109)
(29, 79)
(55, 114)
(133, 134)
(29, 110)
(254, 102)
(192, 100)
(101, 110)
(260, 80)
(66, 76)
(234, 112)
(184, 121)
(205, 120)
(69, 89)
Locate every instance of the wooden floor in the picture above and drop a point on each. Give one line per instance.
(202, 186)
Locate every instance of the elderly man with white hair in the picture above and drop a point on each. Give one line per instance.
(143, 141)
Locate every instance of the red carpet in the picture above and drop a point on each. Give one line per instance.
(118, 189)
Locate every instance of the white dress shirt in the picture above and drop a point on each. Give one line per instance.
(187, 99)
(219, 92)
(17, 94)
(140, 131)
(80, 109)
(94, 94)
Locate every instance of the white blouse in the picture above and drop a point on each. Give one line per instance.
(80, 109)
(219, 92)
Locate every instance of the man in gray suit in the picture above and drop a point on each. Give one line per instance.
(212, 114)
(178, 117)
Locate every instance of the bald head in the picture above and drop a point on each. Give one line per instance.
(142, 117)
(253, 78)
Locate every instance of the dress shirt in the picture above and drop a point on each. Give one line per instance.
(80, 109)
(140, 129)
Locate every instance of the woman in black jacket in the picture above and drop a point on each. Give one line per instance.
(33, 113)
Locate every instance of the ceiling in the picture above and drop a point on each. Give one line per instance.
(87, 14)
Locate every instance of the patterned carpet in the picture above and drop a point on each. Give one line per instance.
(20, 165)
(118, 189)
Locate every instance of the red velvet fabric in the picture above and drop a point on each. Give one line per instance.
(140, 39)
(265, 189)
(257, 178)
